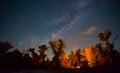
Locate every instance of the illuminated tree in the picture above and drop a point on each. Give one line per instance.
(60, 56)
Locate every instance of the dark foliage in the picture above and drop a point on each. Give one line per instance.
(16, 60)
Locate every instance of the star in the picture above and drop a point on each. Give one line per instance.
(21, 43)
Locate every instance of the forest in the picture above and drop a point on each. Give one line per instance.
(102, 57)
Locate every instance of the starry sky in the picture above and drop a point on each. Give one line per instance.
(30, 23)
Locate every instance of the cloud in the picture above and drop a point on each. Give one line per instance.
(90, 30)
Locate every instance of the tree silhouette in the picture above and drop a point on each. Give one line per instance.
(42, 50)
(108, 49)
(4, 47)
(78, 56)
(42, 56)
(104, 37)
(93, 57)
(32, 50)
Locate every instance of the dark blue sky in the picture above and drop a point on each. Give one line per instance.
(30, 23)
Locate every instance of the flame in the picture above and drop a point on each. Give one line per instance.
(90, 57)
(91, 54)
(63, 60)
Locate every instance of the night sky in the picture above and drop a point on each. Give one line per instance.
(31, 23)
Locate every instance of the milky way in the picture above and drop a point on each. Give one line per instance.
(30, 23)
